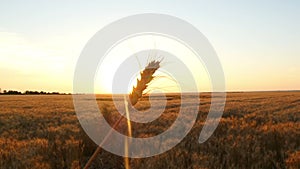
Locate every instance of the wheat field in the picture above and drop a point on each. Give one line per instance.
(257, 130)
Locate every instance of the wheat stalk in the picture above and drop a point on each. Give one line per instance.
(126, 146)
(137, 92)
(142, 84)
(147, 75)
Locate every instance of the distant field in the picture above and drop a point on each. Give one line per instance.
(257, 130)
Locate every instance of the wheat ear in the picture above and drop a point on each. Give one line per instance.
(142, 84)
(137, 92)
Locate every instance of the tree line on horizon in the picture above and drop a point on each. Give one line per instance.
(28, 92)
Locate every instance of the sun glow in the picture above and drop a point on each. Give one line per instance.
(164, 81)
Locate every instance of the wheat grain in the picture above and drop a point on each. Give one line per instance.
(142, 84)
(137, 92)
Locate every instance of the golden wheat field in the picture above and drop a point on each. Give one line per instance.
(257, 130)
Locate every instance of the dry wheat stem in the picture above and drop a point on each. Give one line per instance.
(93, 157)
(127, 139)
(137, 92)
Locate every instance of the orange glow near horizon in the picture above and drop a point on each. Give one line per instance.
(42, 67)
(163, 81)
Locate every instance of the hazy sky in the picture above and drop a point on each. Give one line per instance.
(256, 41)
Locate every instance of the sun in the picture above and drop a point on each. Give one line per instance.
(133, 46)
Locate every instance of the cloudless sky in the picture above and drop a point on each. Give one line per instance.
(257, 41)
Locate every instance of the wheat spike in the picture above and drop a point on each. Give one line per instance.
(142, 84)
(137, 92)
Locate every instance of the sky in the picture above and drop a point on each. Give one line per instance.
(257, 41)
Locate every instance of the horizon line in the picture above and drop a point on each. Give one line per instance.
(227, 91)
(230, 91)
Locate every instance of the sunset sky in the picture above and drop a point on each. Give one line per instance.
(258, 42)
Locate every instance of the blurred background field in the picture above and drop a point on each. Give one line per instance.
(257, 130)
